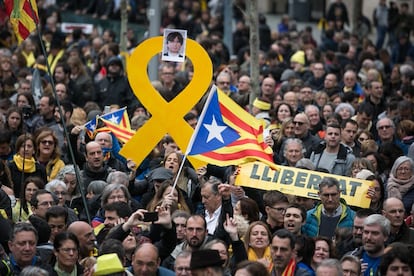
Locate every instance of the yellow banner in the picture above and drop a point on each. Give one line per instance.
(301, 182)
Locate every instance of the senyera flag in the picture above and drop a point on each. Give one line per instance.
(23, 17)
(228, 135)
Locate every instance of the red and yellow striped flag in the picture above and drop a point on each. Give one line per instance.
(23, 16)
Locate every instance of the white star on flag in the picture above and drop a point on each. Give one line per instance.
(114, 119)
(93, 126)
(214, 131)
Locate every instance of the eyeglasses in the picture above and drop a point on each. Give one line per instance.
(384, 127)
(46, 203)
(167, 73)
(306, 92)
(403, 169)
(279, 209)
(60, 193)
(223, 82)
(298, 123)
(68, 250)
(45, 142)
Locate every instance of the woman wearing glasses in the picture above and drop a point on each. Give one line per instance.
(66, 251)
(23, 161)
(401, 181)
(48, 153)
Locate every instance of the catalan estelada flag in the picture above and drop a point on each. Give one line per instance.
(123, 134)
(118, 123)
(118, 117)
(90, 127)
(23, 17)
(228, 135)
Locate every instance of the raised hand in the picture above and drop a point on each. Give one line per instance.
(230, 225)
(164, 217)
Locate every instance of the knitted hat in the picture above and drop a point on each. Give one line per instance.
(298, 57)
(108, 264)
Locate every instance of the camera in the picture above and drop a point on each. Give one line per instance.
(150, 217)
(27, 111)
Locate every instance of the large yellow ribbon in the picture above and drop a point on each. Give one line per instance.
(167, 117)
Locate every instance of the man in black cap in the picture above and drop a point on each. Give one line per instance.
(206, 262)
(114, 88)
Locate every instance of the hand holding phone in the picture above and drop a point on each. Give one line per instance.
(150, 217)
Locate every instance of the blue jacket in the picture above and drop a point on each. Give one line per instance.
(313, 218)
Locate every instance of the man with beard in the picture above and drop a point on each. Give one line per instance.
(115, 213)
(195, 237)
(375, 234)
(355, 240)
(86, 237)
(331, 154)
(331, 213)
(393, 209)
(283, 256)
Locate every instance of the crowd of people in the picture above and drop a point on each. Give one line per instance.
(71, 205)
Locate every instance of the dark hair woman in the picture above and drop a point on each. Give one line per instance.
(23, 164)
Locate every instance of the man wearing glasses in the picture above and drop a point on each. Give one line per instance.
(275, 203)
(41, 201)
(330, 214)
(386, 134)
(302, 131)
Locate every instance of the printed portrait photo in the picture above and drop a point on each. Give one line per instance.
(174, 45)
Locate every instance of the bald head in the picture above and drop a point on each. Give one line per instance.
(94, 155)
(392, 201)
(76, 227)
(84, 233)
(104, 139)
(145, 260)
(393, 210)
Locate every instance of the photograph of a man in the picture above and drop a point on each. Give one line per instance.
(174, 45)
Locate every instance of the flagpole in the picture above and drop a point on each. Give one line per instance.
(72, 155)
(197, 128)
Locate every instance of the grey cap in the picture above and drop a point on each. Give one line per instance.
(160, 174)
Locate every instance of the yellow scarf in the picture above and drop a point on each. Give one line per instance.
(30, 58)
(251, 256)
(29, 164)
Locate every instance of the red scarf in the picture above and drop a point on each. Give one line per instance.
(290, 268)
